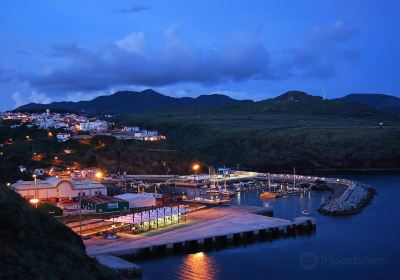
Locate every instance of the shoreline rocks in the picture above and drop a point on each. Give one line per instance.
(352, 201)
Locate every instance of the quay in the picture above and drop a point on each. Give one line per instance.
(206, 202)
(124, 268)
(214, 227)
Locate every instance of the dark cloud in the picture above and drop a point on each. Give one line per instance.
(322, 51)
(125, 63)
(130, 61)
(133, 9)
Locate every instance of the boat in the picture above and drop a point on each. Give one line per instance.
(268, 195)
(227, 193)
(305, 212)
(212, 191)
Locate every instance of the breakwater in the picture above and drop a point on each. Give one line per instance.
(348, 198)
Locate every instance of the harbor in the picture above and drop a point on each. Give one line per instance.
(348, 197)
(207, 228)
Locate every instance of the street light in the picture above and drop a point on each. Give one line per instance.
(34, 178)
(99, 175)
(195, 168)
(8, 184)
(34, 201)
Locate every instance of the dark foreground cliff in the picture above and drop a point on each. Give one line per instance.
(35, 245)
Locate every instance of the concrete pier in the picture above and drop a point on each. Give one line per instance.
(206, 229)
(124, 268)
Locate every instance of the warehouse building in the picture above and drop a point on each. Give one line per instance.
(58, 190)
(104, 204)
(138, 200)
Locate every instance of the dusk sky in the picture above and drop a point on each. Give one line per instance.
(75, 50)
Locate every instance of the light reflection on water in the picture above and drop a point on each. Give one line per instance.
(198, 266)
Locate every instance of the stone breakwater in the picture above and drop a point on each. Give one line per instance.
(348, 198)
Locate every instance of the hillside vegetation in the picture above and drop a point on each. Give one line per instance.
(105, 152)
(306, 133)
(377, 101)
(36, 246)
(292, 130)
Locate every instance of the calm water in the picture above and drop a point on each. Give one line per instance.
(365, 245)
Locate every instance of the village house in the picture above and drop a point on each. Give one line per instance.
(62, 137)
(96, 126)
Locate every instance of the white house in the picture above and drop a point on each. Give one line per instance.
(62, 137)
(97, 125)
(131, 129)
(55, 189)
(152, 133)
(140, 134)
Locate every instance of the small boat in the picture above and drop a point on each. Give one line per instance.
(227, 193)
(268, 195)
(212, 191)
(305, 212)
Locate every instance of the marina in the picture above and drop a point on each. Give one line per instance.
(337, 239)
(214, 189)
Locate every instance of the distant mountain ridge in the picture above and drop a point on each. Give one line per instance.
(377, 101)
(134, 102)
(291, 101)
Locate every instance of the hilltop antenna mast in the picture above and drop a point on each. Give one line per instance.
(323, 93)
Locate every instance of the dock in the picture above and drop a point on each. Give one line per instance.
(209, 228)
(123, 267)
(207, 202)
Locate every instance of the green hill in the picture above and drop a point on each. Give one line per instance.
(36, 246)
(308, 133)
(105, 152)
(132, 102)
(292, 130)
(377, 101)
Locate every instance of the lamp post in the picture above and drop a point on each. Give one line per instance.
(80, 213)
(35, 179)
(195, 168)
(34, 201)
(99, 175)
